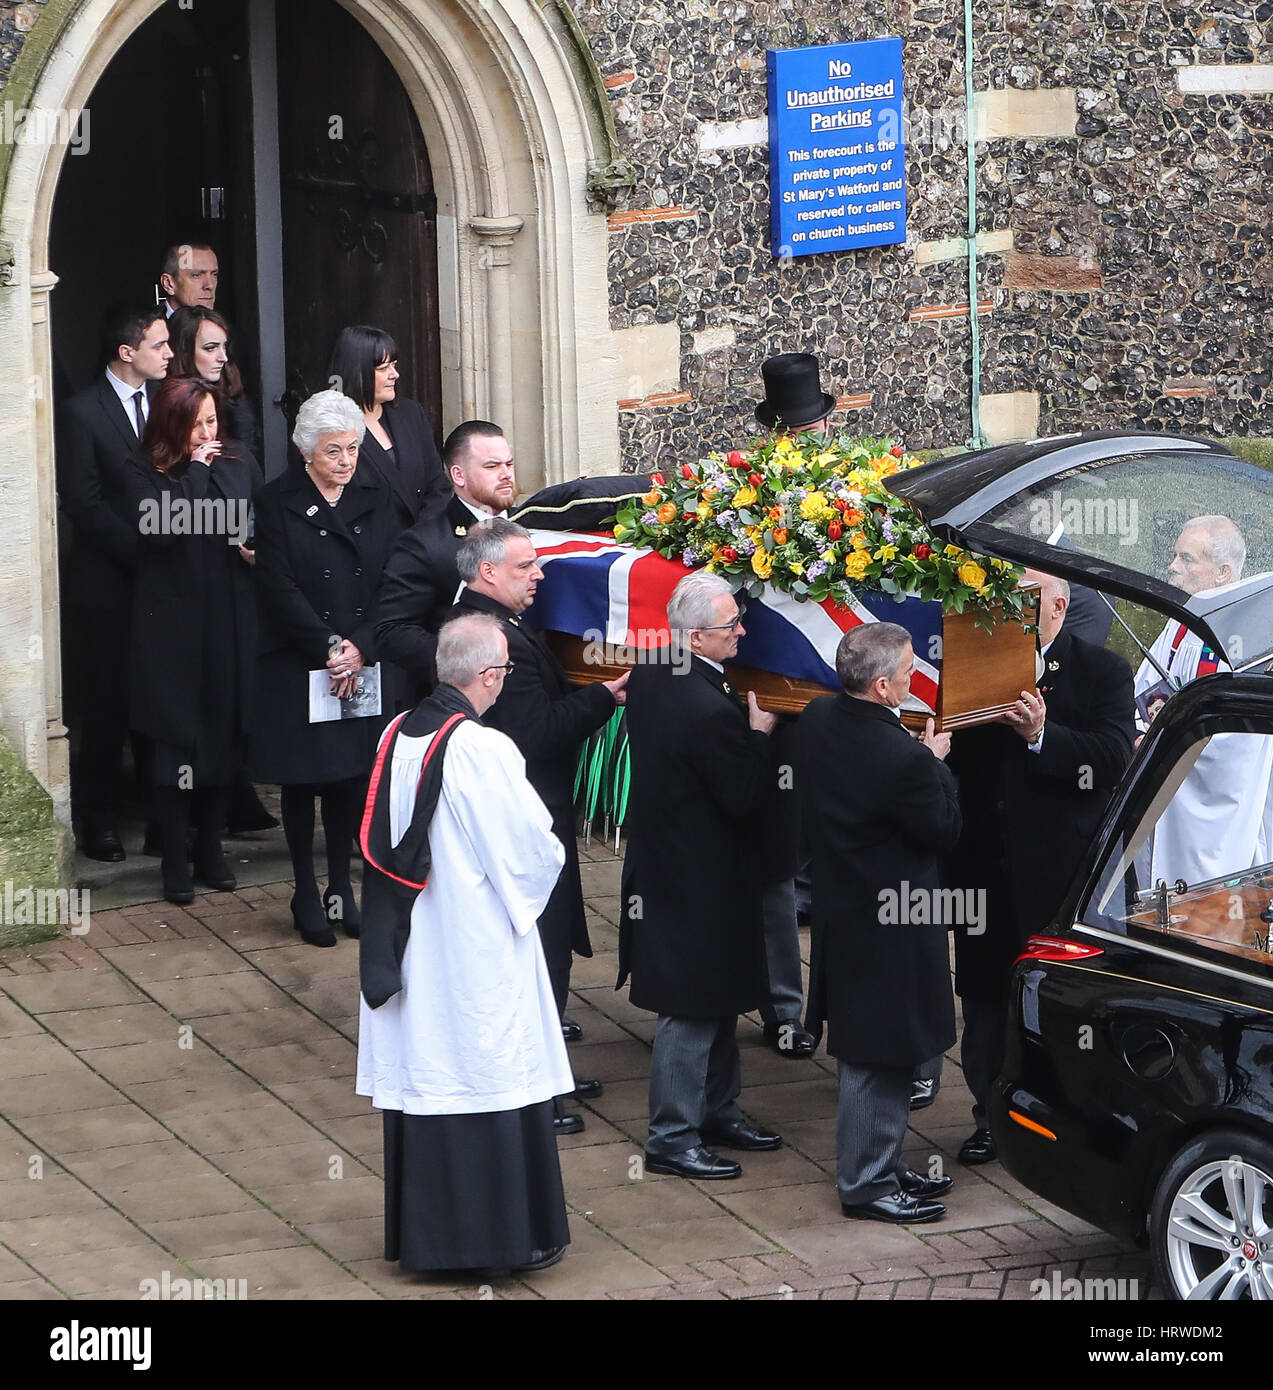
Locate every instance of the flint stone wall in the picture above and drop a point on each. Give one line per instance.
(1137, 288)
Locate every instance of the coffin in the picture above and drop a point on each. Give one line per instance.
(601, 605)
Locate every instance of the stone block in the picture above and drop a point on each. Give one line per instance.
(1010, 416)
(1036, 113)
(1056, 273)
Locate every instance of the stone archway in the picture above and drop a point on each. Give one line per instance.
(517, 140)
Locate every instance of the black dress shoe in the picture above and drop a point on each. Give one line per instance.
(215, 872)
(567, 1124)
(693, 1163)
(587, 1088)
(179, 889)
(923, 1093)
(103, 843)
(541, 1259)
(979, 1147)
(740, 1135)
(790, 1039)
(570, 1030)
(899, 1208)
(342, 910)
(310, 920)
(917, 1185)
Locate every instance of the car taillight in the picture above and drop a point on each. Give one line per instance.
(1054, 948)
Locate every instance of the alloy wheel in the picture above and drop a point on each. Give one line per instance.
(1219, 1240)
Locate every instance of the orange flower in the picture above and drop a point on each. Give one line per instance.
(651, 497)
(852, 517)
(667, 512)
(780, 535)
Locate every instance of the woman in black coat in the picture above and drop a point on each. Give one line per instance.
(194, 623)
(398, 445)
(323, 533)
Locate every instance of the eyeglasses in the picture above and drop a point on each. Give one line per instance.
(735, 623)
(506, 668)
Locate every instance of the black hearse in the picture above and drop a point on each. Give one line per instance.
(1137, 1089)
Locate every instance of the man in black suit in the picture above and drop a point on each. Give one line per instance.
(420, 579)
(99, 428)
(1032, 791)
(880, 807)
(704, 778)
(548, 720)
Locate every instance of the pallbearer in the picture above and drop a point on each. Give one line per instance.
(458, 1040)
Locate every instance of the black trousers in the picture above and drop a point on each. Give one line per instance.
(99, 679)
(981, 1049)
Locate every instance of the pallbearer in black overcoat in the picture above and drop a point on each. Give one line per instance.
(420, 579)
(548, 720)
(879, 807)
(704, 778)
(1033, 791)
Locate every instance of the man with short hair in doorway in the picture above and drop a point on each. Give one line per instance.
(99, 428)
(188, 276)
(881, 981)
(548, 720)
(690, 935)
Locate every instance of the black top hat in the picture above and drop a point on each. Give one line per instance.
(793, 393)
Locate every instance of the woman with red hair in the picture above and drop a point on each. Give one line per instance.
(194, 623)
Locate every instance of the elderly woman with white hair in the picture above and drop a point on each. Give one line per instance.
(323, 533)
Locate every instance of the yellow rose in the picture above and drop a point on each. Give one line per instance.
(783, 447)
(971, 573)
(762, 563)
(860, 542)
(886, 552)
(744, 497)
(857, 564)
(813, 506)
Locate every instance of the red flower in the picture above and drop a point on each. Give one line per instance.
(755, 479)
(922, 552)
(657, 479)
(834, 531)
(691, 516)
(736, 459)
(686, 471)
(896, 451)
(728, 553)
(840, 504)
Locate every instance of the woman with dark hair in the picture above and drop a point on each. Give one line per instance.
(323, 532)
(194, 623)
(398, 443)
(200, 342)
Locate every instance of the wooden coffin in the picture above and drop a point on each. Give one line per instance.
(982, 673)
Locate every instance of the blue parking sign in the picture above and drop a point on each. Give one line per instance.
(837, 161)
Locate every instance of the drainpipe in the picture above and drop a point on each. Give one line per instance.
(975, 440)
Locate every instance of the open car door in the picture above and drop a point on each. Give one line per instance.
(1105, 510)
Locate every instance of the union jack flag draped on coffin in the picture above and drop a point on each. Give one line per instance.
(599, 590)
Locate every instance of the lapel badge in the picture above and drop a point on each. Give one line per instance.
(727, 688)
(1054, 665)
(311, 511)
(461, 530)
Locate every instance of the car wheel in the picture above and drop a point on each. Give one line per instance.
(1211, 1222)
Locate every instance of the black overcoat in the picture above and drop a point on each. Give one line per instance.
(418, 590)
(878, 809)
(318, 570)
(703, 784)
(181, 589)
(548, 720)
(1030, 817)
(412, 470)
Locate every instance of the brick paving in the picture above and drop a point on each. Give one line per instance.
(177, 1094)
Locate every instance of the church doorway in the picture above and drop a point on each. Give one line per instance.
(291, 146)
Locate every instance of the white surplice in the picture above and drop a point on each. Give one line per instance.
(474, 1027)
(1217, 823)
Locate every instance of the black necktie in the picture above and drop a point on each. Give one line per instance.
(141, 419)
